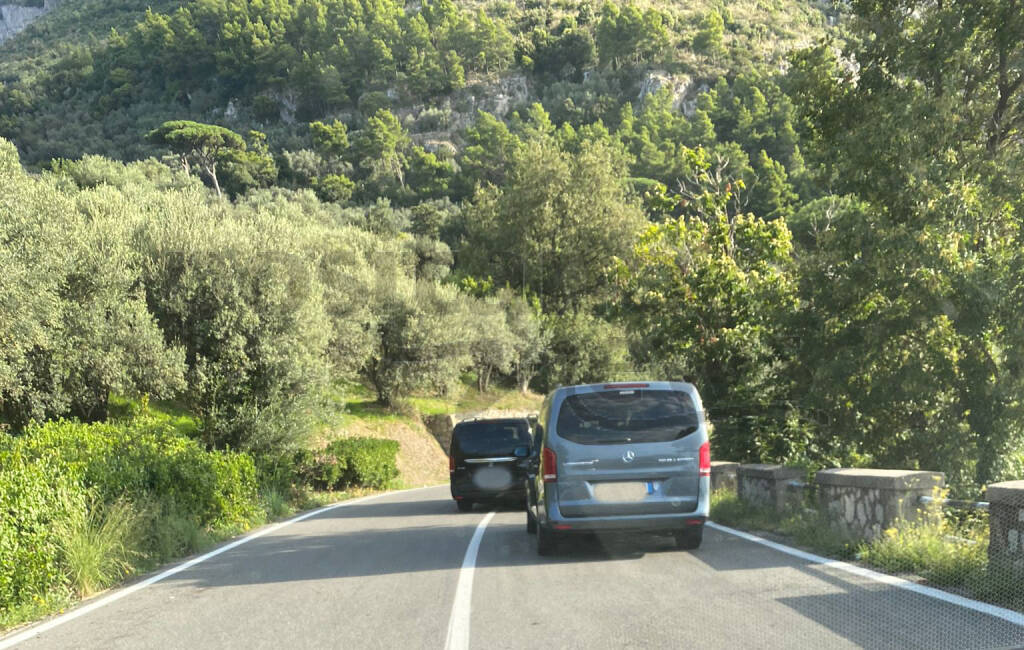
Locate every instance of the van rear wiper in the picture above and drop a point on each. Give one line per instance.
(687, 430)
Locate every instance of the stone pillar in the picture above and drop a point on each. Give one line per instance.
(865, 502)
(723, 475)
(1006, 523)
(766, 485)
(441, 426)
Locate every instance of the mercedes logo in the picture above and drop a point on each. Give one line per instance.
(628, 456)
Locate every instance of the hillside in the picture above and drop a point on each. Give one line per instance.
(71, 89)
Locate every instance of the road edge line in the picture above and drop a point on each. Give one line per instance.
(458, 622)
(46, 626)
(1007, 615)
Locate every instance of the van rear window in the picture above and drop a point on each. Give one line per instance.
(490, 437)
(624, 416)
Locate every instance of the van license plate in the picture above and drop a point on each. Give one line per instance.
(624, 492)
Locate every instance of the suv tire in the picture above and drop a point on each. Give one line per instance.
(531, 522)
(547, 541)
(689, 539)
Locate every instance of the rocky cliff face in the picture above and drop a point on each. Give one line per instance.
(15, 18)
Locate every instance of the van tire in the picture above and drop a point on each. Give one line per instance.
(689, 539)
(531, 522)
(465, 505)
(547, 542)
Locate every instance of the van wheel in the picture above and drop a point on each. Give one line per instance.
(547, 542)
(531, 522)
(465, 505)
(689, 539)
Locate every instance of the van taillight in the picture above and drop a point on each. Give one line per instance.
(549, 465)
(451, 464)
(705, 459)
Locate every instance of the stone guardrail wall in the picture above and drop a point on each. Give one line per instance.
(768, 485)
(865, 502)
(1006, 523)
(723, 475)
(862, 502)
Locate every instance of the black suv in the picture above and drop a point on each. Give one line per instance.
(482, 464)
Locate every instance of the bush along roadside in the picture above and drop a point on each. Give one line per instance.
(366, 462)
(88, 504)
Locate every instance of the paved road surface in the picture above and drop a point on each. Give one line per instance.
(383, 574)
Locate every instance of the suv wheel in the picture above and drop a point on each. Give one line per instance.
(547, 542)
(689, 539)
(531, 522)
(465, 505)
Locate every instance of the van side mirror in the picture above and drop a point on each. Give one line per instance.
(521, 452)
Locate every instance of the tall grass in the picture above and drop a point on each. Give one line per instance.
(98, 545)
(936, 547)
(275, 503)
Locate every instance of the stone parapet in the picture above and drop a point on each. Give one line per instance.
(768, 485)
(865, 502)
(723, 475)
(1006, 523)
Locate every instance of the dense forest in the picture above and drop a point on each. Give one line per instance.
(810, 210)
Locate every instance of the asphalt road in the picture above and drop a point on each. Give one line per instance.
(384, 573)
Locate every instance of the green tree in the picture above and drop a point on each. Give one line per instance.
(203, 145)
(706, 297)
(555, 224)
(709, 38)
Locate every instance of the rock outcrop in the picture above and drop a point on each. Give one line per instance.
(15, 18)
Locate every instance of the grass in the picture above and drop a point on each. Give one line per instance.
(806, 528)
(99, 545)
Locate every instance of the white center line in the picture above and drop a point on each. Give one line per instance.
(458, 624)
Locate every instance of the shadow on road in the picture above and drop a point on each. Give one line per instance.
(868, 613)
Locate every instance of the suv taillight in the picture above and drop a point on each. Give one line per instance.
(549, 465)
(451, 464)
(705, 459)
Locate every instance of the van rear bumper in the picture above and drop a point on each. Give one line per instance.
(635, 523)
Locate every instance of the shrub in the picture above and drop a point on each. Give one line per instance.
(368, 462)
(322, 471)
(35, 496)
(142, 460)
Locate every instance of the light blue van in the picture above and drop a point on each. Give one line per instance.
(620, 456)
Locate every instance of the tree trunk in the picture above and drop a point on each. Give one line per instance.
(212, 171)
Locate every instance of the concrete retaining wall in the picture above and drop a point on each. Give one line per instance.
(1006, 522)
(865, 502)
(767, 485)
(723, 475)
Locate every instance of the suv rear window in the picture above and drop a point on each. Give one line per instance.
(623, 416)
(490, 437)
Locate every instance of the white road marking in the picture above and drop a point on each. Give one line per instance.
(458, 624)
(139, 586)
(992, 610)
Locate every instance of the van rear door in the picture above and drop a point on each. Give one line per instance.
(628, 450)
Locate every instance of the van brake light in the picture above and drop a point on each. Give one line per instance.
(549, 465)
(705, 459)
